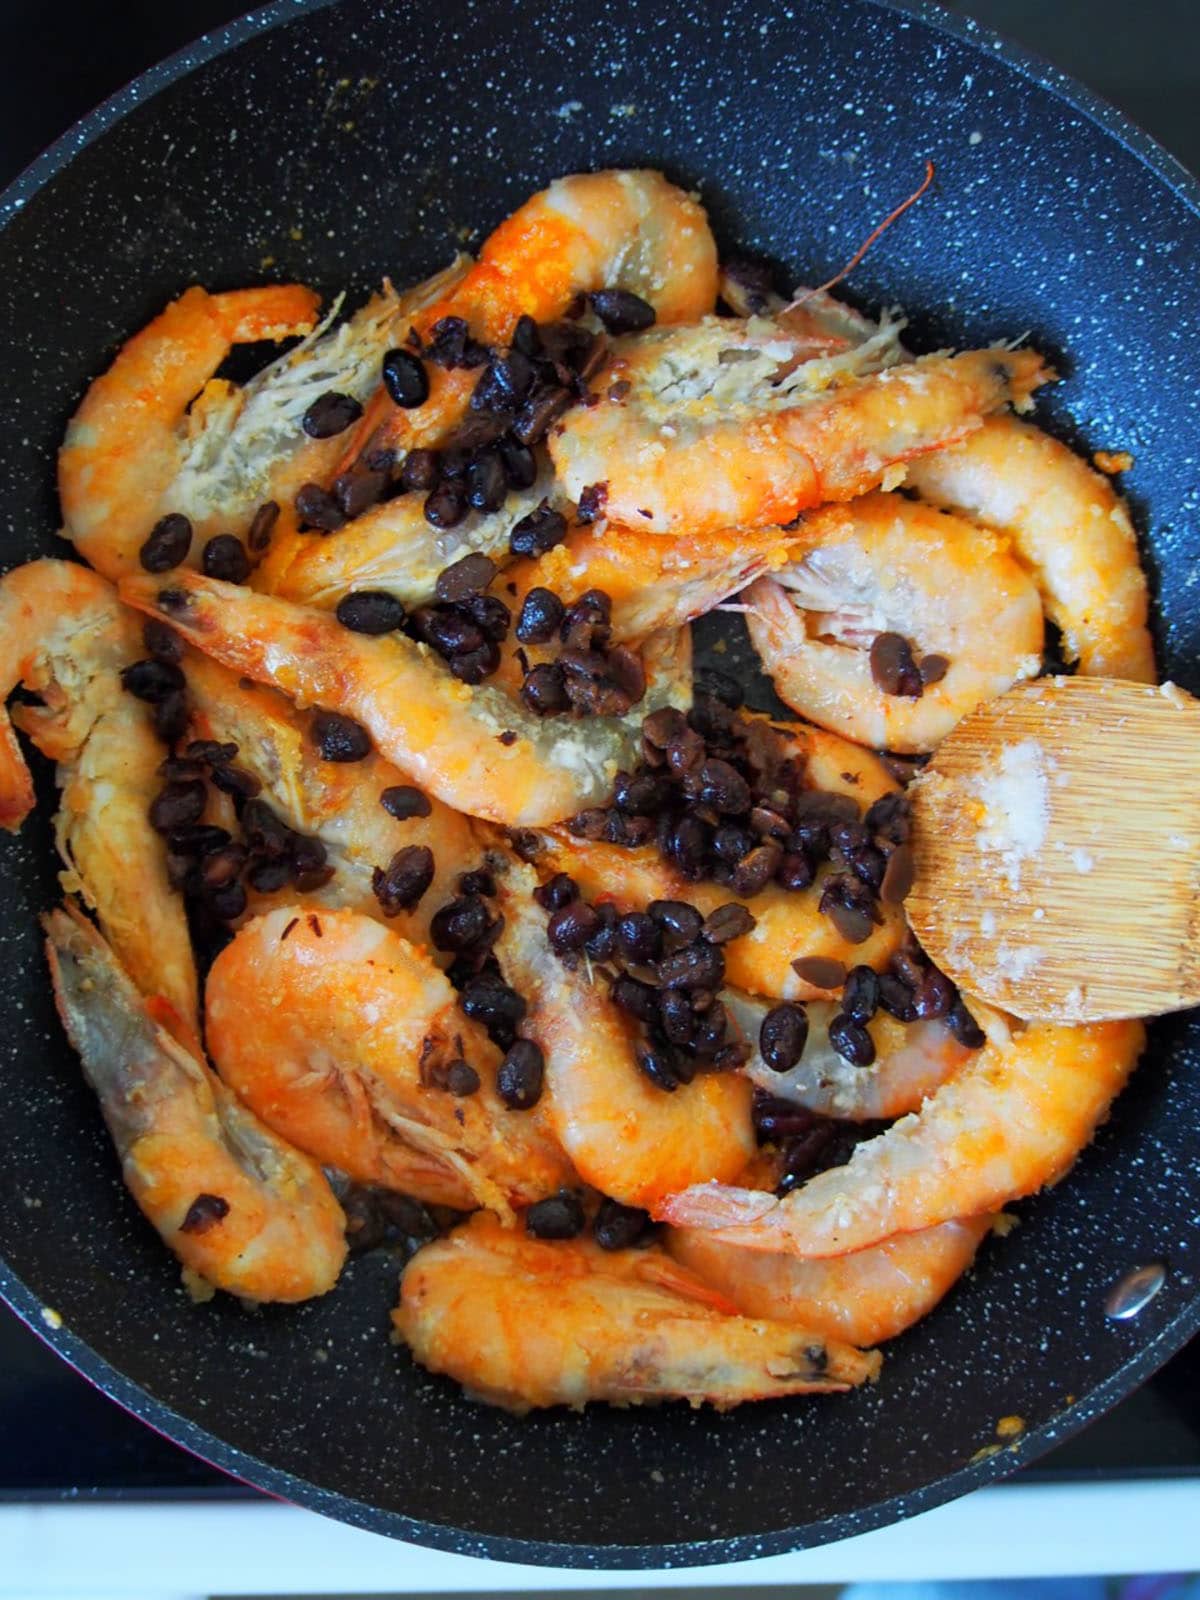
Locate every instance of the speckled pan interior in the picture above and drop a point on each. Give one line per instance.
(339, 144)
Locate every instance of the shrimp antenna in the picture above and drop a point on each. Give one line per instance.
(870, 239)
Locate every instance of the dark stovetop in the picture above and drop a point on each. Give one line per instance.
(58, 1436)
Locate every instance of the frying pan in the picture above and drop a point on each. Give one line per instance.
(338, 143)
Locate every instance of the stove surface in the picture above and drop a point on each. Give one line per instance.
(58, 1436)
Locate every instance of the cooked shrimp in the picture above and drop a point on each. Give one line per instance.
(597, 230)
(1012, 1120)
(338, 804)
(863, 1298)
(391, 547)
(522, 1323)
(625, 1136)
(353, 1033)
(64, 636)
(449, 738)
(788, 925)
(726, 424)
(240, 1208)
(912, 1060)
(885, 564)
(128, 440)
(1070, 528)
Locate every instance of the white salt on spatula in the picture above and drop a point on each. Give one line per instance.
(1057, 843)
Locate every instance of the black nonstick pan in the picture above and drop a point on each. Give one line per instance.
(336, 143)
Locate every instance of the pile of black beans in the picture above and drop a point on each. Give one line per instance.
(807, 1142)
(724, 802)
(896, 670)
(590, 675)
(665, 966)
(224, 556)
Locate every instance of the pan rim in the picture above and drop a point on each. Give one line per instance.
(252, 1470)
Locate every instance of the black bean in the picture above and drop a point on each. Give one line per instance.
(460, 924)
(769, 824)
(177, 805)
(782, 1036)
(405, 379)
(445, 506)
(795, 871)
(181, 767)
(401, 885)
(851, 1041)
(449, 630)
(639, 937)
(847, 903)
(910, 967)
(317, 508)
(662, 727)
(152, 680)
(898, 876)
(539, 531)
(687, 846)
(696, 966)
(171, 717)
(517, 459)
(621, 311)
(889, 818)
(731, 842)
(681, 923)
(541, 614)
(197, 839)
(731, 1056)
(896, 998)
(205, 1212)
(823, 806)
(964, 1027)
(559, 1217)
(869, 866)
(559, 892)
(755, 871)
(544, 690)
(330, 413)
(224, 557)
(936, 995)
(504, 384)
(723, 787)
(357, 491)
(619, 1227)
(642, 794)
(402, 801)
(460, 1078)
(308, 853)
(593, 502)
(371, 611)
(451, 345)
(932, 669)
(222, 866)
(685, 752)
(268, 876)
(860, 996)
(639, 999)
(242, 785)
(627, 671)
(572, 926)
(229, 902)
(473, 666)
(848, 836)
(163, 643)
(677, 1017)
(167, 543)
(822, 972)
(339, 738)
(519, 1080)
(602, 944)
(420, 470)
(486, 484)
(490, 615)
(465, 578)
(542, 409)
(266, 832)
(893, 667)
(730, 921)
(213, 752)
(489, 1000)
(659, 1065)
(628, 831)
(262, 525)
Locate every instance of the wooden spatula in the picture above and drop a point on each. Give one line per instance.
(1057, 842)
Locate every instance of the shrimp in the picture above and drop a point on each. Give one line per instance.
(1069, 527)
(64, 636)
(392, 547)
(338, 804)
(725, 424)
(1012, 1120)
(627, 1137)
(881, 565)
(598, 230)
(241, 1209)
(522, 1323)
(788, 925)
(127, 442)
(350, 1058)
(912, 1060)
(863, 1298)
(453, 740)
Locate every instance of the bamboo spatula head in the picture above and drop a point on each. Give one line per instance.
(1056, 835)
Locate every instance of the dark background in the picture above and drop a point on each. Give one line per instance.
(56, 1434)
